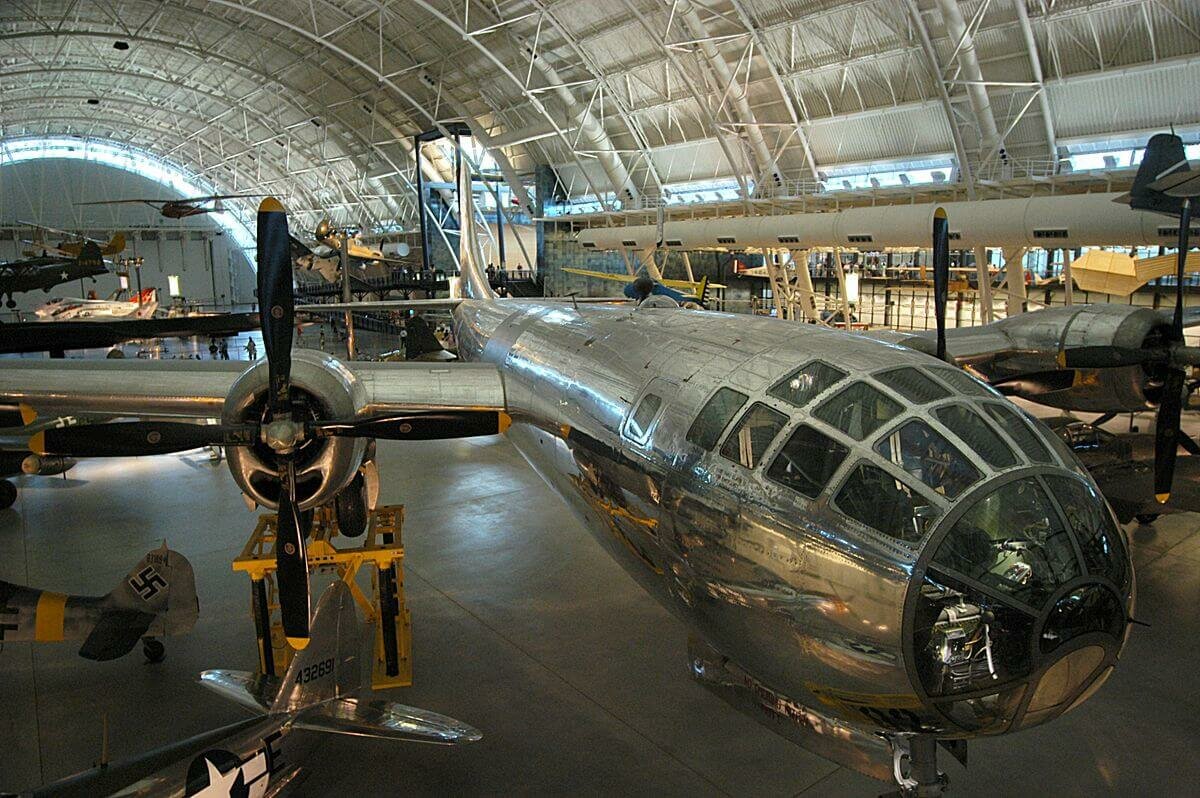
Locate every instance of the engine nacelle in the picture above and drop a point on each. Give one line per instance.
(1019, 356)
(324, 466)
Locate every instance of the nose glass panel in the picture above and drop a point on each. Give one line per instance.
(1014, 541)
(1029, 567)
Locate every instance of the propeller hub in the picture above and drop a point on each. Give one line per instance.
(283, 435)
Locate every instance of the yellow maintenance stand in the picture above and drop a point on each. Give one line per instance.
(380, 547)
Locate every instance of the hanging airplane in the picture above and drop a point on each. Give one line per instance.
(47, 271)
(157, 598)
(696, 290)
(142, 305)
(179, 208)
(260, 756)
(873, 551)
(72, 244)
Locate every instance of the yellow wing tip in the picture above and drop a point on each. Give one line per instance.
(270, 205)
(28, 414)
(1162, 498)
(37, 443)
(298, 643)
(504, 421)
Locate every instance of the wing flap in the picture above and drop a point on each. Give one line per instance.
(399, 387)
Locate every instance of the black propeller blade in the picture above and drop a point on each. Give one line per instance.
(17, 415)
(275, 300)
(941, 275)
(426, 426)
(1166, 427)
(136, 438)
(291, 561)
(277, 310)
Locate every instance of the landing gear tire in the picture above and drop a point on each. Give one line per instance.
(8, 494)
(1146, 518)
(154, 650)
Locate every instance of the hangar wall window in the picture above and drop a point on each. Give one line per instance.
(235, 220)
(753, 435)
(715, 416)
(807, 461)
(799, 387)
(879, 500)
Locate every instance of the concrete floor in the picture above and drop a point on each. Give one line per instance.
(524, 628)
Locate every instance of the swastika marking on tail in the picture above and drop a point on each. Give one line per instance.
(147, 583)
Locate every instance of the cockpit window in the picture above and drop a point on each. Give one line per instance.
(881, 501)
(1099, 540)
(799, 387)
(978, 434)
(1018, 429)
(638, 428)
(1014, 541)
(753, 435)
(965, 383)
(927, 455)
(912, 385)
(807, 461)
(715, 416)
(858, 410)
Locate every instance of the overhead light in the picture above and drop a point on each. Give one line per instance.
(173, 285)
(93, 101)
(120, 45)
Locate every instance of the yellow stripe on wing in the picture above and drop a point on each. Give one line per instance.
(48, 617)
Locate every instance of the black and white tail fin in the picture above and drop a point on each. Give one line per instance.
(163, 584)
(320, 689)
(157, 598)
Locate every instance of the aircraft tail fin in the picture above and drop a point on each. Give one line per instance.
(329, 666)
(320, 688)
(162, 584)
(157, 598)
(1164, 154)
(90, 256)
(470, 257)
(115, 246)
(702, 290)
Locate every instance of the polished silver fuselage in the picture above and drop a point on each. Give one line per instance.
(807, 601)
(808, 605)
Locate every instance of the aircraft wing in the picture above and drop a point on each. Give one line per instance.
(197, 389)
(684, 285)
(55, 336)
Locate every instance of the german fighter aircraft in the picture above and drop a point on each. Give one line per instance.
(260, 756)
(157, 598)
(47, 271)
(179, 208)
(873, 551)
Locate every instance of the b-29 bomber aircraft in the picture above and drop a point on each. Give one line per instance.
(873, 552)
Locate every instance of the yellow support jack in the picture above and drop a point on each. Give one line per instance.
(381, 546)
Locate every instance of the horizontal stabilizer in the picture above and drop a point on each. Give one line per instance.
(252, 690)
(385, 719)
(115, 634)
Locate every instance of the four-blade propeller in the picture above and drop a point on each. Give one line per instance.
(279, 429)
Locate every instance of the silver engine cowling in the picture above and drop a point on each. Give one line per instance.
(324, 466)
